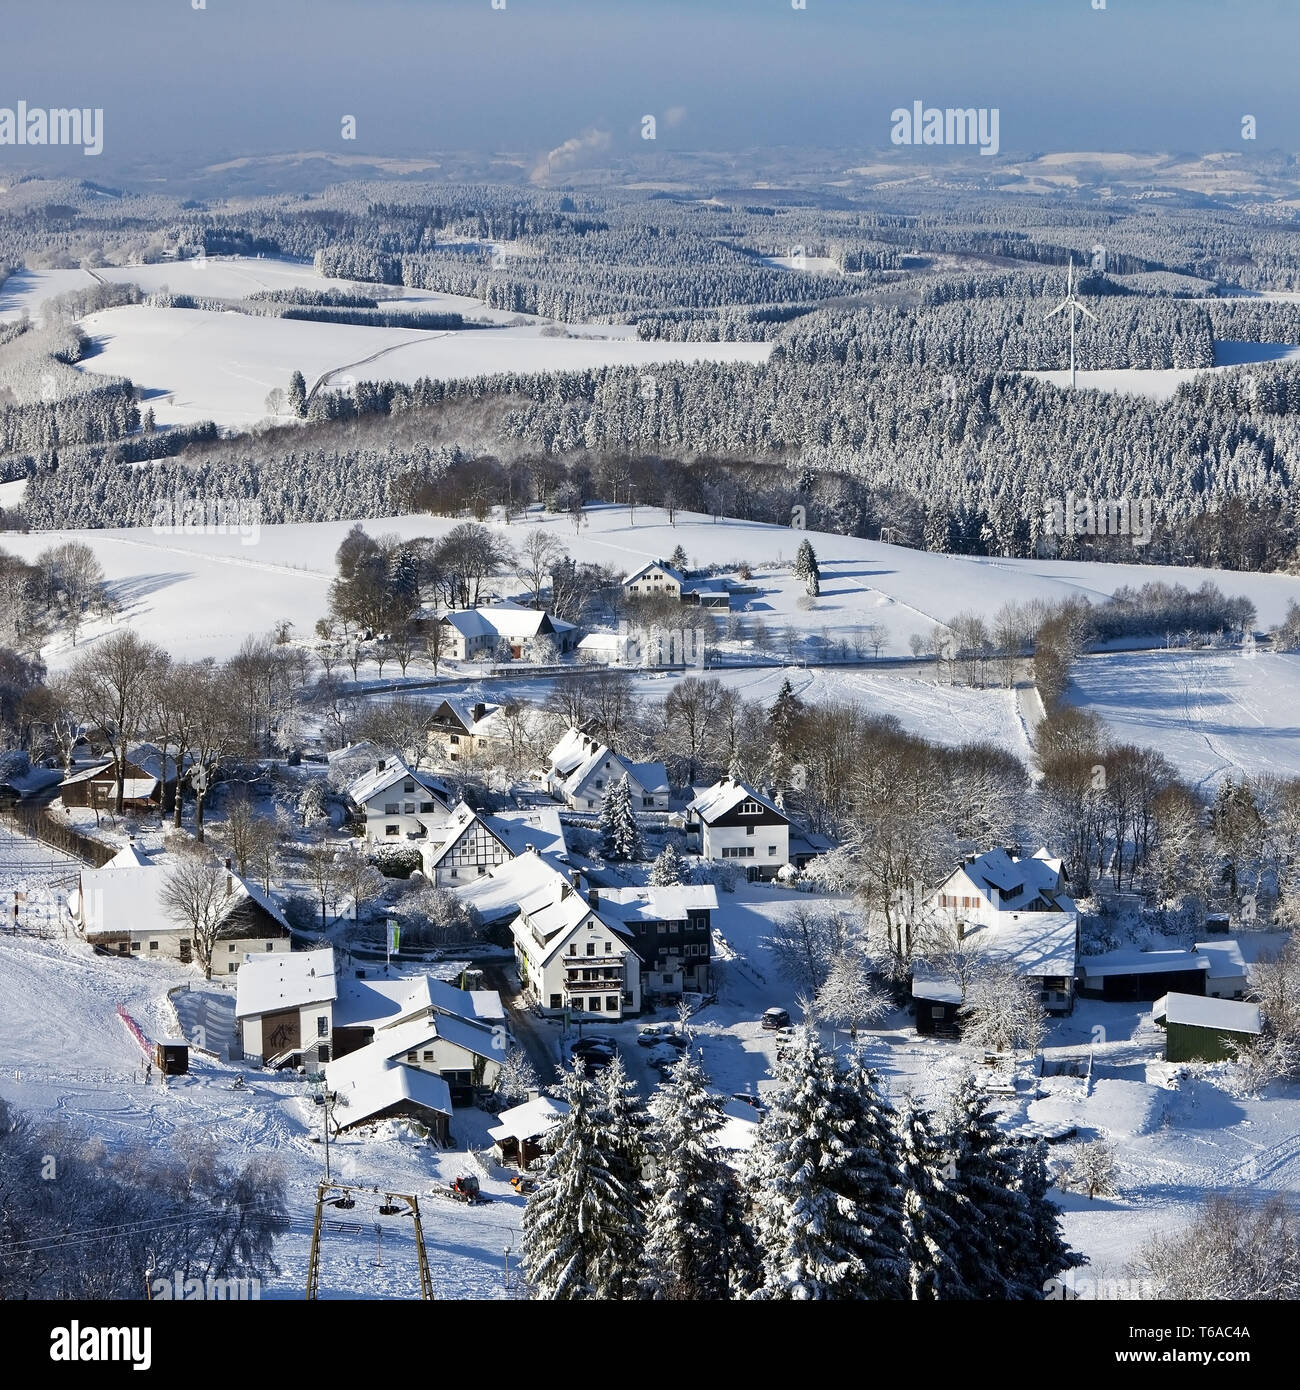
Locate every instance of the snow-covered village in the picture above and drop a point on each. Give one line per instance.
(586, 719)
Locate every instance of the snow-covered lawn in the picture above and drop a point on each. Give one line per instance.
(1209, 713)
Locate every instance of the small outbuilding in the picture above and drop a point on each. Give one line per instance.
(1226, 977)
(171, 1057)
(1141, 975)
(1200, 1029)
(520, 1131)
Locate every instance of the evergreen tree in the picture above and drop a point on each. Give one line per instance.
(995, 1223)
(805, 563)
(580, 1221)
(297, 394)
(688, 1243)
(782, 726)
(823, 1176)
(620, 833)
(679, 561)
(668, 867)
(1045, 1254)
(932, 1211)
(623, 1126)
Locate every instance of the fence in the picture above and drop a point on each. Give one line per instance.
(37, 823)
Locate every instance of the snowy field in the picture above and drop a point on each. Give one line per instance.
(1162, 384)
(202, 594)
(1210, 714)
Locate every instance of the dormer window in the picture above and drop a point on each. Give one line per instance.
(750, 808)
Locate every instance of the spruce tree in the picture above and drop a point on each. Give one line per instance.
(686, 1251)
(297, 394)
(618, 824)
(668, 867)
(932, 1211)
(995, 1221)
(807, 569)
(581, 1220)
(782, 724)
(823, 1176)
(1046, 1253)
(679, 561)
(623, 1126)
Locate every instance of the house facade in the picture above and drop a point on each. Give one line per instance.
(671, 928)
(731, 822)
(655, 580)
(284, 1008)
(473, 633)
(396, 804)
(470, 845)
(582, 770)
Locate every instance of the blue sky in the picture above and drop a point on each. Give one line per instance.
(258, 76)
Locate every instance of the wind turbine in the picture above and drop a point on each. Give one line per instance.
(1075, 305)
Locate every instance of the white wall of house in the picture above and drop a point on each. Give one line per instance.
(392, 816)
(228, 954)
(589, 795)
(439, 1055)
(764, 848)
(310, 1030)
(654, 581)
(592, 948)
(474, 854)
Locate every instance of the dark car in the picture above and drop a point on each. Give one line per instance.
(775, 1019)
(744, 1098)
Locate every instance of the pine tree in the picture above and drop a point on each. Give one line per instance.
(805, 561)
(579, 1223)
(1046, 1253)
(688, 1244)
(297, 394)
(679, 560)
(623, 1126)
(823, 1176)
(618, 824)
(931, 1209)
(668, 867)
(782, 724)
(995, 1223)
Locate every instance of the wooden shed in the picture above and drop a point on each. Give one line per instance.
(171, 1057)
(1200, 1029)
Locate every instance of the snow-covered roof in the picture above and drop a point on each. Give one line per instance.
(464, 709)
(130, 856)
(1204, 1011)
(384, 1003)
(284, 980)
(1225, 958)
(379, 779)
(725, 796)
(133, 788)
(370, 1090)
(655, 565)
(498, 895)
(669, 903)
(540, 827)
(1037, 944)
(530, 1120)
(1010, 883)
(395, 1041)
(1131, 961)
(573, 749)
(502, 620)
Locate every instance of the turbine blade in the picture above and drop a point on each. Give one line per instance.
(1064, 304)
(1087, 312)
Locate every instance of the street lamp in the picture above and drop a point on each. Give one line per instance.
(507, 1253)
(327, 1100)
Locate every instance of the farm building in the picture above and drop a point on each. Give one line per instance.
(1200, 1029)
(1143, 975)
(505, 630)
(389, 1091)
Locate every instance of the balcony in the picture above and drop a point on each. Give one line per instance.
(614, 986)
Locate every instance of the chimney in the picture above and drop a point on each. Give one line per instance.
(528, 849)
(565, 889)
(593, 899)
(380, 764)
(534, 1093)
(480, 709)
(576, 875)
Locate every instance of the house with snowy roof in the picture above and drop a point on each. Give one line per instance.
(520, 1132)
(1007, 909)
(461, 729)
(730, 821)
(1199, 1028)
(658, 579)
(497, 628)
(284, 1008)
(469, 844)
(120, 907)
(582, 770)
(396, 803)
(570, 952)
(672, 928)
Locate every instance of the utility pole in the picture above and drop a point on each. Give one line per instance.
(327, 1104)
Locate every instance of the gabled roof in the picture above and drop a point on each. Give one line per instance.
(1130, 961)
(531, 1120)
(655, 565)
(385, 1003)
(370, 1090)
(515, 831)
(462, 820)
(724, 796)
(503, 620)
(284, 980)
(1018, 880)
(376, 780)
(667, 903)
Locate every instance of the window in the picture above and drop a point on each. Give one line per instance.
(556, 1002)
(593, 1004)
(600, 784)
(428, 1054)
(573, 948)
(647, 801)
(153, 945)
(425, 806)
(323, 1052)
(750, 808)
(392, 830)
(231, 967)
(482, 869)
(322, 1026)
(591, 948)
(609, 946)
(412, 1056)
(455, 738)
(270, 946)
(668, 979)
(590, 804)
(771, 851)
(390, 808)
(408, 785)
(408, 808)
(611, 1003)
(453, 873)
(231, 947)
(937, 1011)
(749, 830)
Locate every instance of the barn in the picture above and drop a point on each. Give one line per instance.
(1142, 975)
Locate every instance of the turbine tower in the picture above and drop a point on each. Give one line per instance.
(1075, 305)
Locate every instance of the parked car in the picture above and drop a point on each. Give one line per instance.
(661, 1058)
(597, 1053)
(753, 1102)
(655, 1033)
(775, 1019)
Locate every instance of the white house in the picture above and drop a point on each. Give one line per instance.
(653, 580)
(1009, 909)
(568, 953)
(462, 729)
(582, 770)
(397, 804)
(284, 1007)
(119, 907)
(469, 845)
(733, 822)
(490, 630)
